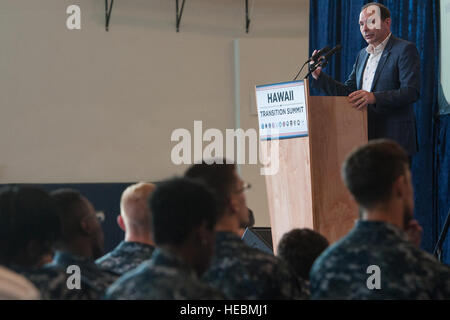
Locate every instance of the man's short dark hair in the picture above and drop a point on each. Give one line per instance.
(300, 248)
(71, 208)
(179, 206)
(370, 171)
(384, 11)
(27, 214)
(219, 177)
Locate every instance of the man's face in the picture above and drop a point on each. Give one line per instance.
(372, 28)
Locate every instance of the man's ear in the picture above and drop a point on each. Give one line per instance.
(388, 21)
(399, 187)
(85, 226)
(233, 204)
(200, 235)
(121, 223)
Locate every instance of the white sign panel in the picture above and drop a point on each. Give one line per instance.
(282, 110)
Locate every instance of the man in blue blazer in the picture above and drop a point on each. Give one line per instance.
(385, 80)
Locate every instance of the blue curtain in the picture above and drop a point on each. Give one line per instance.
(336, 22)
(443, 178)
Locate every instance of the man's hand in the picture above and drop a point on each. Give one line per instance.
(360, 99)
(316, 73)
(414, 232)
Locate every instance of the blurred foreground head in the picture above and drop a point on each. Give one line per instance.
(184, 218)
(29, 225)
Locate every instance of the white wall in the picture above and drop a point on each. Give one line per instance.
(97, 106)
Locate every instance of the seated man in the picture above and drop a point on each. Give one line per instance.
(377, 259)
(135, 219)
(300, 248)
(184, 216)
(29, 227)
(240, 271)
(81, 241)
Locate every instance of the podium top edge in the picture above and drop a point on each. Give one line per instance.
(279, 84)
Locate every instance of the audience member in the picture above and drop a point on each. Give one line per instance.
(81, 241)
(135, 220)
(184, 216)
(300, 248)
(240, 271)
(377, 260)
(29, 227)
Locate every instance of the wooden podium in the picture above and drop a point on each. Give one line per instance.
(307, 191)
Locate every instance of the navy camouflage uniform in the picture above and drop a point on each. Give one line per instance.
(125, 257)
(406, 272)
(242, 272)
(163, 277)
(52, 283)
(93, 279)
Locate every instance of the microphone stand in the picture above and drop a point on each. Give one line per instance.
(438, 248)
(312, 67)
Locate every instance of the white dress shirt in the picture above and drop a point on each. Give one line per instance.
(372, 63)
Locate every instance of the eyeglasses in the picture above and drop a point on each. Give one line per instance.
(100, 216)
(245, 187)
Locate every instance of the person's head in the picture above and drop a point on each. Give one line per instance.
(375, 23)
(228, 187)
(184, 218)
(81, 233)
(378, 176)
(300, 248)
(29, 225)
(135, 215)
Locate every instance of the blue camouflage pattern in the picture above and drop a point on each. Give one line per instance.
(242, 272)
(163, 277)
(93, 279)
(406, 272)
(126, 256)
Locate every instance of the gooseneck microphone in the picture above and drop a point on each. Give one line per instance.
(319, 53)
(329, 54)
(314, 58)
(323, 62)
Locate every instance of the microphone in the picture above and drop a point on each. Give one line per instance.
(320, 53)
(329, 54)
(323, 62)
(314, 58)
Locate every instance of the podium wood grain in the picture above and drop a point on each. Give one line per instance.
(307, 191)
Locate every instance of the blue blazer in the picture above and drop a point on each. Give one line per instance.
(396, 86)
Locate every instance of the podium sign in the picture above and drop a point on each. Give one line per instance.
(282, 110)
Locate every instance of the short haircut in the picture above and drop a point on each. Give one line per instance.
(220, 177)
(370, 171)
(300, 248)
(72, 209)
(384, 11)
(134, 205)
(179, 206)
(26, 214)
